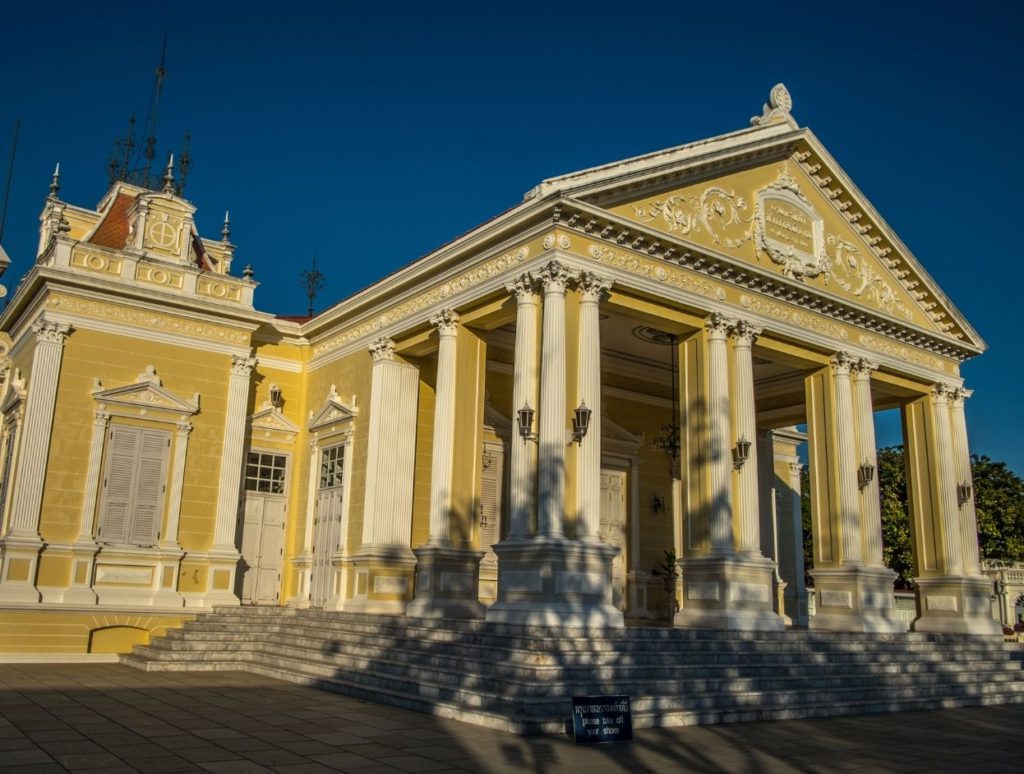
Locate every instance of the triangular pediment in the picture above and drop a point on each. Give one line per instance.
(332, 411)
(271, 419)
(616, 439)
(146, 393)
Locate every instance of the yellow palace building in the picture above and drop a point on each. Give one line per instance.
(516, 427)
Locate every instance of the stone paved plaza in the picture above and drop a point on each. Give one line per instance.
(106, 717)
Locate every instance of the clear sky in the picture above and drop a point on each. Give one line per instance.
(367, 134)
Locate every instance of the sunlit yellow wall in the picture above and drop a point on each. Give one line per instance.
(43, 632)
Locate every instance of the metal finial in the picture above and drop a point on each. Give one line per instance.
(169, 175)
(55, 183)
(248, 272)
(225, 233)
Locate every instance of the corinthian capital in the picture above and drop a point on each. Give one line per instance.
(718, 325)
(555, 277)
(382, 349)
(50, 331)
(863, 367)
(446, 321)
(242, 365)
(523, 287)
(842, 363)
(745, 332)
(592, 286)
(943, 393)
(961, 394)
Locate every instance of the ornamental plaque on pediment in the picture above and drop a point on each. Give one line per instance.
(789, 231)
(332, 411)
(146, 393)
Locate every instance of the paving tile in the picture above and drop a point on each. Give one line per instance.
(16, 757)
(416, 763)
(166, 765)
(273, 757)
(344, 761)
(235, 767)
(87, 760)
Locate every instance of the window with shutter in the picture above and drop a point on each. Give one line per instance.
(490, 495)
(134, 485)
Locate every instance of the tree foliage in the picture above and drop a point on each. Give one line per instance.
(998, 498)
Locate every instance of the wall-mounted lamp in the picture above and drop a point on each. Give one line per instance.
(275, 396)
(963, 493)
(580, 422)
(524, 419)
(741, 452)
(658, 503)
(865, 474)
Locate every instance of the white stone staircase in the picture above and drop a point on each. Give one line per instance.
(521, 679)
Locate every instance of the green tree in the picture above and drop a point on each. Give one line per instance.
(892, 491)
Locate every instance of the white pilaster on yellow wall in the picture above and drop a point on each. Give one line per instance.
(846, 453)
(20, 547)
(35, 448)
(524, 393)
(952, 546)
(231, 467)
(592, 289)
(442, 458)
(551, 433)
(719, 456)
(871, 514)
(304, 561)
(744, 335)
(101, 422)
(170, 537)
(962, 456)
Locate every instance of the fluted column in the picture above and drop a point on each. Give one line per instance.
(744, 335)
(524, 393)
(871, 513)
(592, 288)
(947, 468)
(27, 499)
(962, 454)
(447, 324)
(551, 433)
(846, 460)
(719, 456)
(231, 453)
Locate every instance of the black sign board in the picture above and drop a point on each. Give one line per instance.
(601, 719)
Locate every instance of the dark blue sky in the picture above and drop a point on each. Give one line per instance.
(368, 134)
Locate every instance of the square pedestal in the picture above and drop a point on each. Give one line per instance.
(555, 582)
(19, 563)
(855, 599)
(383, 580)
(728, 592)
(955, 606)
(447, 583)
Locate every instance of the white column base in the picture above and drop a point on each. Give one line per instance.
(546, 581)
(383, 582)
(447, 583)
(728, 592)
(221, 576)
(855, 599)
(303, 565)
(81, 593)
(955, 605)
(19, 562)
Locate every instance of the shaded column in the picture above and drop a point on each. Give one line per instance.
(846, 460)
(871, 513)
(962, 458)
(744, 335)
(720, 457)
(524, 394)
(551, 433)
(442, 456)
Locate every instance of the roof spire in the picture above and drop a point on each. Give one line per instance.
(169, 175)
(225, 233)
(55, 183)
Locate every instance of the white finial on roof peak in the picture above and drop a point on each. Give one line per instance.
(778, 108)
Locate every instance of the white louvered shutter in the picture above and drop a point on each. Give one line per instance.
(117, 485)
(147, 504)
(490, 497)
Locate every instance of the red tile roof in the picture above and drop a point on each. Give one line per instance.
(113, 231)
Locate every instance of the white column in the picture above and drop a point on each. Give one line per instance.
(231, 453)
(846, 460)
(524, 392)
(442, 458)
(744, 335)
(311, 492)
(719, 454)
(968, 515)
(101, 423)
(391, 449)
(871, 513)
(27, 499)
(952, 546)
(170, 539)
(551, 434)
(592, 288)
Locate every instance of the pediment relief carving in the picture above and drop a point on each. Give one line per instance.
(146, 393)
(776, 216)
(332, 411)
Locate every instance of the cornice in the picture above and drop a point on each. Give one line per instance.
(602, 226)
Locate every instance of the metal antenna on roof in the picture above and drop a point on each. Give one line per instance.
(225, 233)
(55, 183)
(149, 149)
(184, 162)
(312, 281)
(10, 174)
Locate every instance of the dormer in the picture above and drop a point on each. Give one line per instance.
(161, 225)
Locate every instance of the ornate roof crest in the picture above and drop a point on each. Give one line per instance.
(778, 108)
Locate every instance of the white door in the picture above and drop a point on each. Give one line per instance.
(263, 512)
(613, 528)
(327, 525)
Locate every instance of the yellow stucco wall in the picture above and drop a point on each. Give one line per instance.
(56, 632)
